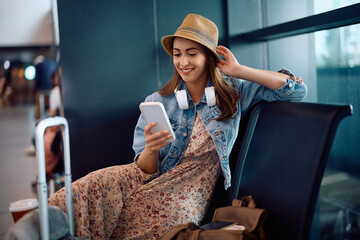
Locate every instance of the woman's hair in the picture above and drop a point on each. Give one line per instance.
(226, 96)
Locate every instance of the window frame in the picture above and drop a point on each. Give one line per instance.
(331, 19)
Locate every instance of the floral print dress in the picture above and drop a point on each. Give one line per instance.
(122, 202)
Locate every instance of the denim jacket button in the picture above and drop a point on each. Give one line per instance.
(175, 155)
(290, 85)
(184, 134)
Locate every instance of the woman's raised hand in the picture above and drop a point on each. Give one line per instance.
(230, 65)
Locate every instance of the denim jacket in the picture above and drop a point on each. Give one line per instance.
(223, 133)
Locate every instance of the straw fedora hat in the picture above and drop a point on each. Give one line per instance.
(196, 28)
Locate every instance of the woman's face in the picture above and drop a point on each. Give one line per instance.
(189, 59)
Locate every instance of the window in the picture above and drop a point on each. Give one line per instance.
(329, 62)
(338, 47)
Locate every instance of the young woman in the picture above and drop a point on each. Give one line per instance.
(172, 183)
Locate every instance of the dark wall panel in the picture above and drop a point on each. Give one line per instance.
(107, 57)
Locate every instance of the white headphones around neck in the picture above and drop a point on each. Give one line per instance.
(182, 100)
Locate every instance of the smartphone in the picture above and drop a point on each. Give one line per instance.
(155, 112)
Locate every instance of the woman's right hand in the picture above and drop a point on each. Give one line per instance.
(155, 141)
(148, 159)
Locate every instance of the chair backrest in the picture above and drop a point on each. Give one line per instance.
(221, 197)
(281, 162)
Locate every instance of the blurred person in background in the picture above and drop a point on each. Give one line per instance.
(5, 90)
(53, 137)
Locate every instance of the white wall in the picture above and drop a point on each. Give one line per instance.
(25, 23)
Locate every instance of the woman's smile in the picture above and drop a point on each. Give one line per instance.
(186, 70)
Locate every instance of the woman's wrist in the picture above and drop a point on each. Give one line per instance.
(148, 161)
(239, 72)
(243, 72)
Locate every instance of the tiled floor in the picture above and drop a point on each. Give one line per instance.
(17, 170)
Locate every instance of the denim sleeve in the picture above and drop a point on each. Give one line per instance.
(250, 93)
(139, 138)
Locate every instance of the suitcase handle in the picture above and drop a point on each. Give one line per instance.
(42, 185)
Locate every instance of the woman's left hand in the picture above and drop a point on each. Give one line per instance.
(230, 65)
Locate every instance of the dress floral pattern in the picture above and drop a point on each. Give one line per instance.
(122, 202)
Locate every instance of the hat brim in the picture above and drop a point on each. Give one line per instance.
(167, 43)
